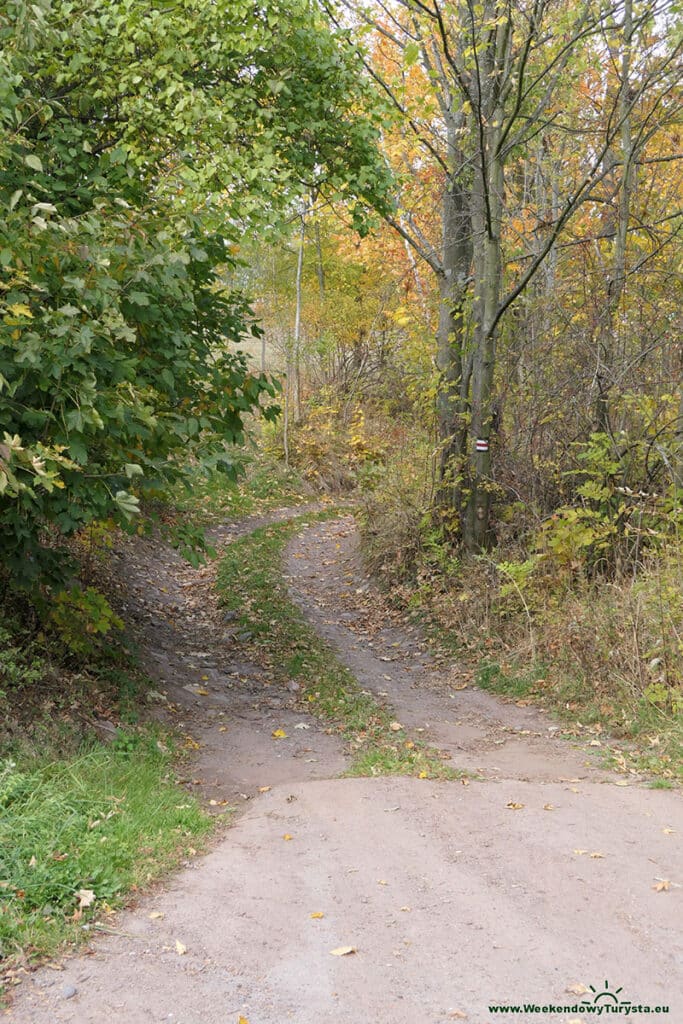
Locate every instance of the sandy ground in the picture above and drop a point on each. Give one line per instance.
(545, 880)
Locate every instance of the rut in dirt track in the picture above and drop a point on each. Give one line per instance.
(526, 886)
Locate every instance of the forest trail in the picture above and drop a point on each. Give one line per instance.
(536, 880)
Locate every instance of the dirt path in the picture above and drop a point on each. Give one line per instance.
(528, 886)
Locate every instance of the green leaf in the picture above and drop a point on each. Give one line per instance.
(32, 161)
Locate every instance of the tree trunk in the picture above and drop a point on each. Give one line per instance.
(487, 211)
(608, 350)
(453, 357)
(297, 317)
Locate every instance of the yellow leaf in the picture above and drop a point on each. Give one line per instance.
(548, 807)
(156, 915)
(179, 948)
(580, 853)
(242, 1020)
(423, 775)
(20, 309)
(669, 831)
(597, 856)
(662, 886)
(202, 692)
(395, 726)
(279, 734)
(343, 950)
(205, 679)
(287, 836)
(222, 728)
(513, 806)
(317, 915)
(264, 789)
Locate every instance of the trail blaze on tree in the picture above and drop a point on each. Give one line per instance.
(572, 104)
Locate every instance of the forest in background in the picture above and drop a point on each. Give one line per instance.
(497, 367)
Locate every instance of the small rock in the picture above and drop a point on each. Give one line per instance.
(230, 616)
(292, 686)
(68, 991)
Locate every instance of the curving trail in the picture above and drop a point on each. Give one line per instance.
(528, 885)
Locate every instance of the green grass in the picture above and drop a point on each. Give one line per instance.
(250, 582)
(106, 823)
(264, 484)
(635, 736)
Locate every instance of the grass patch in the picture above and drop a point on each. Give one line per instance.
(250, 583)
(653, 741)
(78, 835)
(264, 484)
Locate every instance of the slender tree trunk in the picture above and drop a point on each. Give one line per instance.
(319, 266)
(297, 316)
(609, 334)
(453, 355)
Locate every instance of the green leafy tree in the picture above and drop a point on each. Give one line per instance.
(136, 141)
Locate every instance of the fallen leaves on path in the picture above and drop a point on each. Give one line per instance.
(343, 950)
(317, 915)
(180, 949)
(514, 806)
(279, 734)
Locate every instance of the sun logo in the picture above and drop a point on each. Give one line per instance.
(606, 996)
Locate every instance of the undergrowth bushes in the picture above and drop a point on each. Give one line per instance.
(338, 446)
(584, 611)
